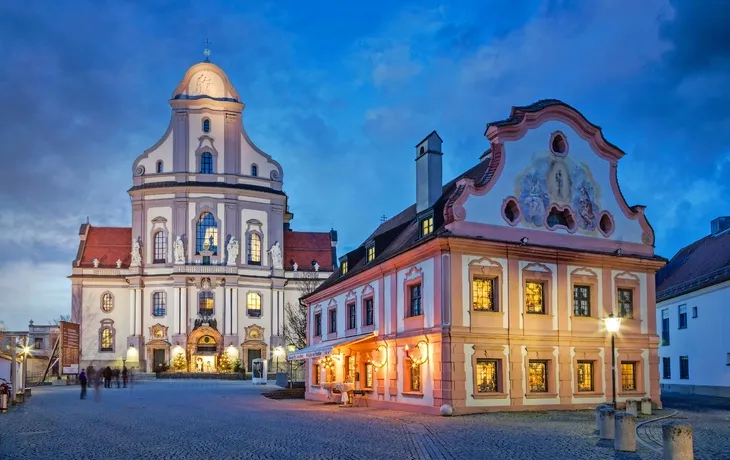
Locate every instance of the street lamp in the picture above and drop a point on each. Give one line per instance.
(277, 352)
(613, 324)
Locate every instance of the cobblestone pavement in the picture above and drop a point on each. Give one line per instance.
(710, 420)
(231, 420)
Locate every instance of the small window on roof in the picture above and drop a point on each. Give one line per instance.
(343, 268)
(371, 253)
(426, 226)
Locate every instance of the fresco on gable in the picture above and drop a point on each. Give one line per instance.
(554, 180)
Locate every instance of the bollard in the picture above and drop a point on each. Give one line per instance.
(598, 415)
(28, 392)
(632, 407)
(607, 415)
(646, 406)
(625, 432)
(677, 437)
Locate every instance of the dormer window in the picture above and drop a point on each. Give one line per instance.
(426, 226)
(371, 253)
(206, 125)
(343, 267)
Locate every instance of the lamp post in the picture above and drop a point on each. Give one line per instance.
(613, 324)
(26, 353)
(277, 353)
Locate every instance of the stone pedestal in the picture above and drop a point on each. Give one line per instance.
(677, 438)
(607, 417)
(625, 431)
(646, 406)
(598, 415)
(632, 407)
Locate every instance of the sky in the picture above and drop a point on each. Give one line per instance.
(339, 93)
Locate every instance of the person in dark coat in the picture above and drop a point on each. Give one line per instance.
(115, 373)
(83, 381)
(125, 373)
(108, 377)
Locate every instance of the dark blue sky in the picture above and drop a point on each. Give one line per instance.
(339, 94)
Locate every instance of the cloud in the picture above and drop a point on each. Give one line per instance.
(37, 291)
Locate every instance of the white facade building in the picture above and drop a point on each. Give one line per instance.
(693, 294)
(210, 261)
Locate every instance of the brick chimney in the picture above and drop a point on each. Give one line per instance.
(428, 171)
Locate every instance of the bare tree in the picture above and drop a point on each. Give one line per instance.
(66, 318)
(295, 326)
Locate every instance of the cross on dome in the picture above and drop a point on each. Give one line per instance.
(206, 51)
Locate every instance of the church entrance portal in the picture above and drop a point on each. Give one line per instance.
(158, 358)
(252, 354)
(205, 344)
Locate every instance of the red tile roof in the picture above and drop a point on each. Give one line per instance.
(108, 244)
(304, 247)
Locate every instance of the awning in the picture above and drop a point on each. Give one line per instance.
(325, 348)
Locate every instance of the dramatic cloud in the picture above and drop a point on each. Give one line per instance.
(340, 96)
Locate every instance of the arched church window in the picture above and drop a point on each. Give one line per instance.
(206, 303)
(206, 163)
(254, 170)
(254, 249)
(158, 304)
(160, 244)
(107, 302)
(253, 304)
(207, 233)
(206, 125)
(159, 166)
(106, 342)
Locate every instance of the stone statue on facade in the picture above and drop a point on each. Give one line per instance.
(316, 267)
(232, 251)
(96, 263)
(179, 249)
(295, 266)
(276, 257)
(119, 263)
(136, 255)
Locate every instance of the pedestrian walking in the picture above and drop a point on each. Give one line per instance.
(97, 385)
(125, 374)
(108, 377)
(116, 376)
(83, 381)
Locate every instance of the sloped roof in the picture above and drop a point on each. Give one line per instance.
(305, 247)
(108, 244)
(701, 264)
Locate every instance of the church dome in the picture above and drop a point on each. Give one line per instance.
(205, 81)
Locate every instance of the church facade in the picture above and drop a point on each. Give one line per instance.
(210, 262)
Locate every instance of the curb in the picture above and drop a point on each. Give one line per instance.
(646, 444)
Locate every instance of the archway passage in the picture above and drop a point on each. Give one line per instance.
(205, 345)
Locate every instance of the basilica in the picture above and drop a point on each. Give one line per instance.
(210, 262)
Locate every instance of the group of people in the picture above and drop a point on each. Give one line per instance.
(94, 377)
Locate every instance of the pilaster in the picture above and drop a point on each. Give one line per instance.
(180, 142)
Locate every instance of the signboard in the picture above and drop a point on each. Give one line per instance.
(70, 337)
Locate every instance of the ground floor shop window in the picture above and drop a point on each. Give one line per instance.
(538, 375)
(628, 376)
(415, 378)
(585, 376)
(368, 375)
(487, 375)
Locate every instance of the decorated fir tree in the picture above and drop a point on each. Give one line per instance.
(178, 363)
(224, 363)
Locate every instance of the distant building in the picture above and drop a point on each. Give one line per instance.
(41, 340)
(489, 293)
(693, 316)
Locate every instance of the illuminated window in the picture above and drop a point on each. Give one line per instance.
(343, 268)
(534, 300)
(253, 304)
(206, 125)
(207, 233)
(333, 322)
(415, 377)
(158, 304)
(159, 167)
(426, 226)
(206, 344)
(585, 375)
(160, 243)
(206, 163)
(329, 374)
(351, 316)
(107, 339)
(482, 292)
(538, 372)
(371, 253)
(582, 300)
(369, 312)
(254, 249)
(316, 374)
(625, 303)
(628, 376)
(206, 303)
(318, 325)
(414, 300)
(487, 375)
(368, 375)
(107, 302)
(254, 171)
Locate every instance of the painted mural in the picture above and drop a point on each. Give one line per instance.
(557, 181)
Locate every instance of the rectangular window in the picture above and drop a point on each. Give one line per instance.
(415, 379)
(684, 367)
(414, 300)
(625, 303)
(665, 327)
(316, 376)
(534, 300)
(683, 317)
(538, 372)
(426, 226)
(343, 268)
(369, 312)
(160, 247)
(487, 375)
(368, 375)
(38, 343)
(694, 312)
(482, 293)
(585, 376)
(667, 367)
(628, 376)
(582, 300)
(351, 316)
(371, 253)
(333, 322)
(318, 325)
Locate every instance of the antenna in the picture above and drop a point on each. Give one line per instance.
(206, 51)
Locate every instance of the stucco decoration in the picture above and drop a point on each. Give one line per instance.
(232, 250)
(206, 83)
(179, 249)
(551, 180)
(136, 255)
(276, 257)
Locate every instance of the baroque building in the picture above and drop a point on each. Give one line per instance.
(210, 261)
(491, 292)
